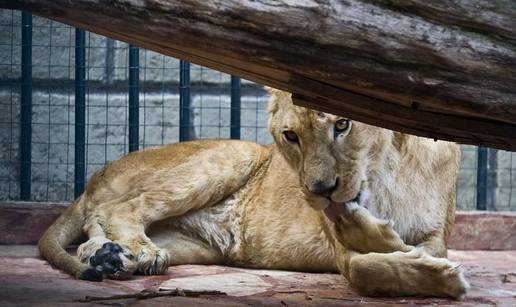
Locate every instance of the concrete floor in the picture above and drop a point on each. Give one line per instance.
(27, 280)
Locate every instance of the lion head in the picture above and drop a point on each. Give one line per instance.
(329, 152)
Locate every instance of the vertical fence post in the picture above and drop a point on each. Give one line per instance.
(492, 179)
(134, 94)
(109, 69)
(184, 101)
(235, 108)
(80, 112)
(26, 108)
(482, 179)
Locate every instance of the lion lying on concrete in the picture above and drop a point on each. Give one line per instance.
(330, 195)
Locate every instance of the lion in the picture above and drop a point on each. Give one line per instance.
(329, 195)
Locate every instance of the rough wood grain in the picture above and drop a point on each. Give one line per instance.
(452, 63)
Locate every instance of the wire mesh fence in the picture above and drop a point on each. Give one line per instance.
(136, 98)
(10, 75)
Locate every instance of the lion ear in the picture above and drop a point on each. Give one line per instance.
(276, 97)
(273, 106)
(273, 91)
(273, 99)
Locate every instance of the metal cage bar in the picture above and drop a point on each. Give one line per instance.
(235, 107)
(184, 101)
(80, 112)
(134, 94)
(482, 179)
(26, 108)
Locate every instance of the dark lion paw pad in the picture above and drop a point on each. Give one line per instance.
(112, 247)
(92, 274)
(107, 258)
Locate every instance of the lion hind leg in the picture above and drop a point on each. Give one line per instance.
(413, 273)
(184, 249)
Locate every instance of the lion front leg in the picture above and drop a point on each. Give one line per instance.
(413, 273)
(122, 250)
(118, 245)
(360, 231)
(435, 245)
(129, 233)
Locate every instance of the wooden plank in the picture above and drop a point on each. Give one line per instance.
(391, 116)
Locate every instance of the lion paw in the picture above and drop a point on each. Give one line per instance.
(413, 273)
(448, 275)
(152, 261)
(354, 215)
(106, 259)
(453, 278)
(113, 261)
(359, 230)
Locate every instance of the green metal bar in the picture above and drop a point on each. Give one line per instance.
(235, 108)
(80, 112)
(482, 179)
(26, 108)
(134, 94)
(184, 101)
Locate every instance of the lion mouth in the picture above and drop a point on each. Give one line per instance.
(335, 209)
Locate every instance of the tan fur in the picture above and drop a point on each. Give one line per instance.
(239, 203)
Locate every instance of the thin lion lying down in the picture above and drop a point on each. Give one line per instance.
(330, 194)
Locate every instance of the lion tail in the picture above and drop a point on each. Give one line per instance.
(66, 229)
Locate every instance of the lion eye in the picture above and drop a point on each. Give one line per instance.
(291, 136)
(341, 125)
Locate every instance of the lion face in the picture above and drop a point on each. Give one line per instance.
(329, 152)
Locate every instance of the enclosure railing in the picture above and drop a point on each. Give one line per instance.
(26, 108)
(80, 112)
(133, 111)
(80, 107)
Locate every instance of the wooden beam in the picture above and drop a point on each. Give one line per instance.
(380, 113)
(442, 69)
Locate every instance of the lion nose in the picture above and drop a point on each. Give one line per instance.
(322, 188)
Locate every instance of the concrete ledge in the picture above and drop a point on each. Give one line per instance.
(24, 223)
(481, 230)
